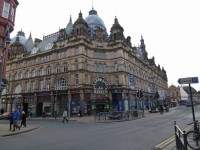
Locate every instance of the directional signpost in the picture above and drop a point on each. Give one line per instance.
(189, 81)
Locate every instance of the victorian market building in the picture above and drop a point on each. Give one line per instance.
(83, 68)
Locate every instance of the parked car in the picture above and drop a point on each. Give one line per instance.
(5, 115)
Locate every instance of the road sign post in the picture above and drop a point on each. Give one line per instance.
(189, 81)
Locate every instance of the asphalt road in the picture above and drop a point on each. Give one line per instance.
(141, 134)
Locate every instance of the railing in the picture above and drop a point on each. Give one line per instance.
(180, 136)
(118, 116)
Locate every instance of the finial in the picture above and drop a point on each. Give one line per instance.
(70, 20)
(92, 5)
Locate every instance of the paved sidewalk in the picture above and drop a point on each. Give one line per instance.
(4, 130)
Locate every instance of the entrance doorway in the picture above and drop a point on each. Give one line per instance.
(99, 108)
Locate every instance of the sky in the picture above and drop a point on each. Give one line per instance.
(170, 28)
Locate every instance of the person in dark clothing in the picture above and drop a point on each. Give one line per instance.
(55, 114)
(161, 109)
(23, 122)
(11, 121)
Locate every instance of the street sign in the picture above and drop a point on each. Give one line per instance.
(189, 80)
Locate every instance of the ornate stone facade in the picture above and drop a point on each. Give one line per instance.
(82, 68)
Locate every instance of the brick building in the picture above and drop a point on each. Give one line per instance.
(7, 19)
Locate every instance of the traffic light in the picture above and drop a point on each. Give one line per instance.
(137, 93)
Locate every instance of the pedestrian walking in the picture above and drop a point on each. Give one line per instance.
(161, 109)
(55, 114)
(11, 121)
(64, 116)
(29, 113)
(23, 121)
(16, 117)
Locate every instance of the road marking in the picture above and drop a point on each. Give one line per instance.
(170, 140)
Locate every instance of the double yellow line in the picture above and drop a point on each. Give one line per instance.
(169, 140)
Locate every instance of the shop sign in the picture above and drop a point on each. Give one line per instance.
(131, 81)
(100, 85)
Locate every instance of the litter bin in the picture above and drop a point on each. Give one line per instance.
(135, 113)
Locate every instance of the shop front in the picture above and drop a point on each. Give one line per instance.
(100, 97)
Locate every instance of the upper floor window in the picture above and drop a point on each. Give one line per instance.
(65, 67)
(85, 65)
(12, 14)
(58, 68)
(20, 75)
(27, 74)
(32, 86)
(48, 70)
(99, 54)
(33, 73)
(27, 87)
(100, 67)
(115, 54)
(116, 67)
(76, 79)
(41, 83)
(6, 8)
(76, 64)
(42, 72)
(76, 51)
(116, 79)
(48, 84)
(16, 76)
(61, 84)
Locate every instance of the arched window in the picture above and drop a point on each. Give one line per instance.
(48, 70)
(20, 75)
(65, 67)
(27, 74)
(42, 72)
(33, 73)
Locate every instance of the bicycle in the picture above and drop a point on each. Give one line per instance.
(193, 137)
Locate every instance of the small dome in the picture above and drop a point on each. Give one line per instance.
(93, 20)
(20, 37)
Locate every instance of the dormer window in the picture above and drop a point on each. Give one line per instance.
(6, 8)
(48, 46)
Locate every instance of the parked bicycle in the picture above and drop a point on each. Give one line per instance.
(119, 115)
(193, 137)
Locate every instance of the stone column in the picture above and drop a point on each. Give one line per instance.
(82, 102)
(52, 103)
(69, 106)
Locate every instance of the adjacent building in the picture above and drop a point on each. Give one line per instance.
(81, 67)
